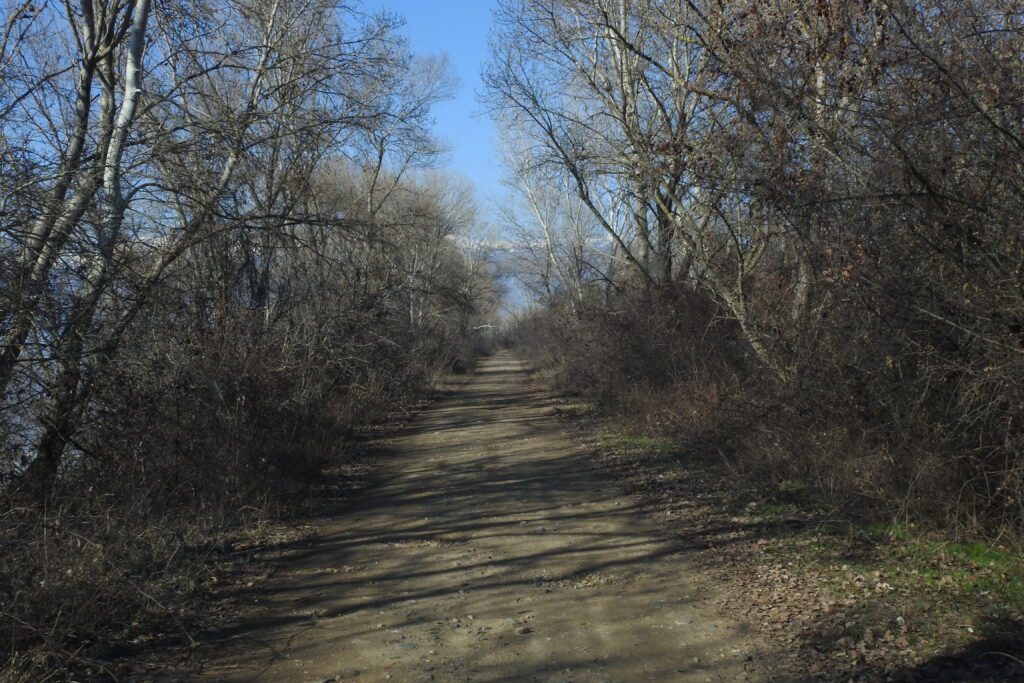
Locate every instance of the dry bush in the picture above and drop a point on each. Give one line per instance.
(224, 409)
(195, 435)
(878, 423)
(661, 360)
(214, 273)
(844, 210)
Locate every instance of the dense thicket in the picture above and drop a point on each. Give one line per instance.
(788, 229)
(221, 256)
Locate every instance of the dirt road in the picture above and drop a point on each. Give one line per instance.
(491, 551)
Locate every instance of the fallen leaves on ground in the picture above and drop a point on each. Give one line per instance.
(876, 617)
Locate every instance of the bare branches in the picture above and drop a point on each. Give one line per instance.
(841, 180)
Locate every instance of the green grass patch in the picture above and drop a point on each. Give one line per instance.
(952, 583)
(578, 408)
(774, 509)
(638, 443)
(982, 554)
(938, 595)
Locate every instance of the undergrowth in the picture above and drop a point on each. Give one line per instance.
(845, 598)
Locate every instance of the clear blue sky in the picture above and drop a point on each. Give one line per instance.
(458, 28)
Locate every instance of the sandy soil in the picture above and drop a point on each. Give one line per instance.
(491, 550)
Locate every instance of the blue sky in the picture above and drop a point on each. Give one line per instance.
(458, 28)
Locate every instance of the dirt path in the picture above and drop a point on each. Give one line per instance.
(492, 551)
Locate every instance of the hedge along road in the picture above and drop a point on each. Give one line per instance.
(492, 550)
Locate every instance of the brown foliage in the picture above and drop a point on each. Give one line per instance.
(842, 225)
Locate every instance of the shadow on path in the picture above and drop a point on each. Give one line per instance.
(488, 549)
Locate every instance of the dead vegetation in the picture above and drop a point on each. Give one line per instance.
(822, 279)
(223, 257)
(831, 600)
(785, 237)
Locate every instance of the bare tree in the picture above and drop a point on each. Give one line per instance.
(840, 179)
(556, 242)
(626, 100)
